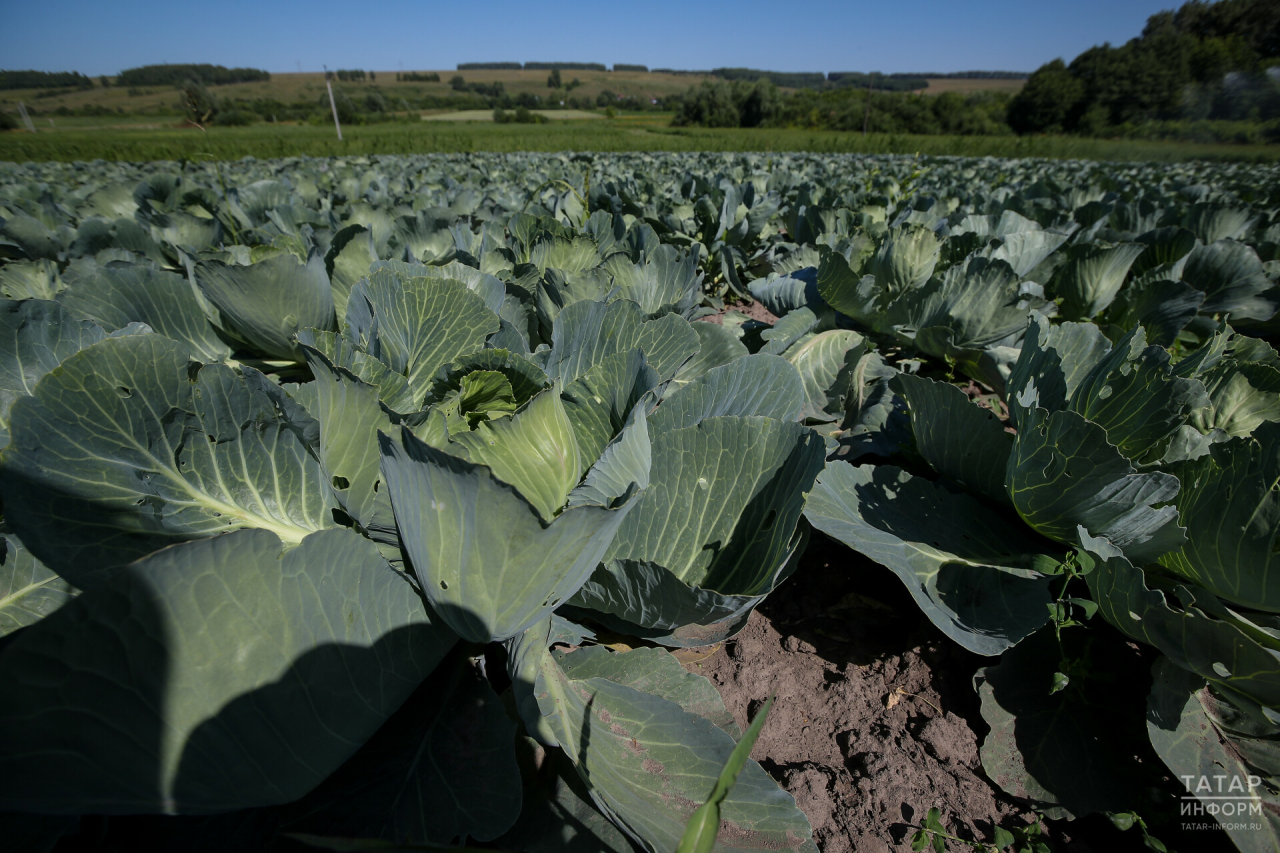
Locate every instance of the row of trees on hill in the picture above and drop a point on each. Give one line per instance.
(177, 75)
(1204, 61)
(44, 80)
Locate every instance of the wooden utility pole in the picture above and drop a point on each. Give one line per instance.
(332, 104)
(22, 109)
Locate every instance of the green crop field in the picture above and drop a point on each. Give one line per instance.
(374, 500)
(139, 138)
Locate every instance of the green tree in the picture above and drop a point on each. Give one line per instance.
(708, 105)
(1047, 101)
(553, 79)
(758, 104)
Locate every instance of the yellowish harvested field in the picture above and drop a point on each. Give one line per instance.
(938, 85)
(487, 115)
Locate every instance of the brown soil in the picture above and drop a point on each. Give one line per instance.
(754, 310)
(875, 720)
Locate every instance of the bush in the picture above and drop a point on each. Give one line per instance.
(235, 118)
(347, 112)
(8, 122)
(708, 105)
(520, 116)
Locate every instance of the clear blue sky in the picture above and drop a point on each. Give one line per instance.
(387, 35)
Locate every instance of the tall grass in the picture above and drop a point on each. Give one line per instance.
(642, 134)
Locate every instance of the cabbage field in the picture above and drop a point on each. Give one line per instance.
(376, 503)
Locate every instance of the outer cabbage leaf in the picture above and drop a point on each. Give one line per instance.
(667, 282)
(35, 337)
(599, 401)
(1189, 626)
(1233, 280)
(647, 780)
(586, 332)
(977, 576)
(717, 346)
(558, 815)
(350, 255)
(779, 337)
(418, 325)
(350, 419)
(166, 302)
(1133, 393)
(1092, 276)
(978, 301)
(755, 385)
(1063, 474)
(962, 441)
(440, 770)
(1231, 509)
(826, 364)
(213, 676)
(393, 388)
(267, 303)
(29, 590)
(1184, 734)
(30, 280)
(713, 532)
(1053, 362)
(123, 451)
(1052, 747)
(489, 565)
(1163, 308)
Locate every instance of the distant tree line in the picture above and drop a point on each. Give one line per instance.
(489, 66)
(44, 80)
(1214, 61)
(565, 66)
(789, 79)
(418, 77)
(879, 82)
(720, 103)
(966, 75)
(622, 66)
(176, 75)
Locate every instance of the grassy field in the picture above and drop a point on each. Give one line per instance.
(643, 132)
